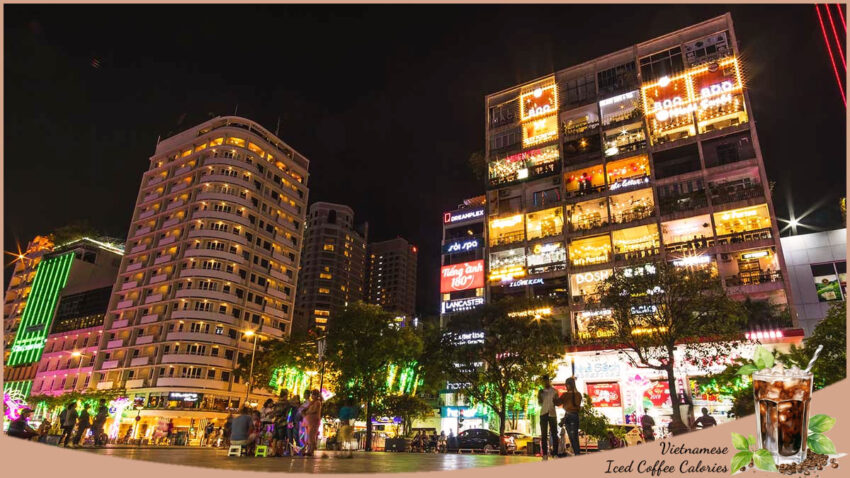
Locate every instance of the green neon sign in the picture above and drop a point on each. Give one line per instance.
(50, 278)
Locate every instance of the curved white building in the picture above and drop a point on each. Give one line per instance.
(212, 251)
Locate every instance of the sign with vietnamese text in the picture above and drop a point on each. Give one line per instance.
(658, 394)
(462, 245)
(604, 395)
(463, 276)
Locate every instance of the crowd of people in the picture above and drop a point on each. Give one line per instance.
(72, 426)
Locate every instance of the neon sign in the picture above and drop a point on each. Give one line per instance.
(625, 183)
(539, 102)
(618, 99)
(464, 276)
(692, 261)
(539, 131)
(755, 255)
(464, 245)
(461, 216)
(461, 305)
(524, 282)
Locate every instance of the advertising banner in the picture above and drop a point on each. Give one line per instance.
(658, 394)
(604, 394)
(463, 276)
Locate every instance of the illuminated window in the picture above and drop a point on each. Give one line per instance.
(201, 147)
(586, 283)
(322, 313)
(636, 242)
(546, 257)
(524, 165)
(256, 149)
(186, 153)
(747, 219)
(549, 222)
(507, 265)
(328, 247)
(236, 141)
(581, 131)
(668, 109)
(593, 250)
(217, 142)
(325, 276)
(320, 320)
(324, 290)
(506, 230)
(594, 324)
(588, 215)
(539, 131)
(719, 96)
(584, 181)
(686, 231)
(627, 172)
(632, 206)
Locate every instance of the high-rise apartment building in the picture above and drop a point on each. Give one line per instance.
(63, 315)
(19, 288)
(462, 258)
(333, 264)
(391, 276)
(211, 266)
(646, 154)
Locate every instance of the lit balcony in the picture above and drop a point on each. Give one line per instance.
(150, 197)
(134, 266)
(139, 361)
(144, 339)
(184, 169)
(147, 214)
(124, 304)
(199, 337)
(723, 195)
(112, 344)
(109, 364)
(171, 222)
(158, 278)
(745, 237)
(167, 240)
(174, 204)
(136, 383)
(274, 312)
(142, 231)
(212, 233)
(153, 298)
(105, 385)
(218, 274)
(161, 259)
(129, 285)
(197, 359)
(150, 318)
(191, 383)
(119, 324)
(207, 294)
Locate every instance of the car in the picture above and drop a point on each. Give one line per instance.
(521, 440)
(478, 439)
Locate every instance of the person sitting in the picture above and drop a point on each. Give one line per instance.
(240, 430)
(19, 428)
(706, 420)
(614, 441)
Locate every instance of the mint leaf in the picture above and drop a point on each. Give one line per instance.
(821, 444)
(740, 460)
(764, 460)
(752, 441)
(763, 358)
(747, 369)
(821, 423)
(740, 442)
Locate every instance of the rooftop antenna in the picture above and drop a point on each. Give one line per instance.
(236, 110)
(277, 128)
(157, 138)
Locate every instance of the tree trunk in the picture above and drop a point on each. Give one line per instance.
(502, 412)
(677, 426)
(368, 426)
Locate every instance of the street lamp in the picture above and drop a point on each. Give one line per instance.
(249, 334)
(79, 354)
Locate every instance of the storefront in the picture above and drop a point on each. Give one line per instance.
(628, 172)
(546, 223)
(506, 230)
(584, 181)
(590, 251)
(507, 265)
(588, 215)
(747, 223)
(632, 206)
(525, 165)
(546, 257)
(636, 242)
(685, 235)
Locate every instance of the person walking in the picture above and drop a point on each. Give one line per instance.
(294, 425)
(19, 428)
(281, 411)
(547, 398)
(706, 420)
(169, 432)
(571, 401)
(208, 433)
(347, 415)
(83, 424)
(99, 422)
(313, 418)
(67, 419)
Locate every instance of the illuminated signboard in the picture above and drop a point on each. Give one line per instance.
(531, 312)
(457, 385)
(754, 255)
(50, 278)
(469, 338)
(184, 396)
(461, 216)
(524, 282)
(507, 273)
(539, 102)
(646, 269)
(462, 245)
(465, 412)
(692, 261)
(618, 99)
(587, 281)
(464, 276)
(604, 394)
(539, 131)
(628, 182)
(461, 305)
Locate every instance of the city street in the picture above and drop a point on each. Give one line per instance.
(377, 462)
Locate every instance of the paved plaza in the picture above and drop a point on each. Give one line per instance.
(362, 462)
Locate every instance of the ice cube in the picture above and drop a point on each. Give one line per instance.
(773, 392)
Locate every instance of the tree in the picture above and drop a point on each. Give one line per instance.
(831, 365)
(73, 231)
(295, 351)
(764, 314)
(407, 407)
(363, 342)
(478, 165)
(496, 351)
(658, 308)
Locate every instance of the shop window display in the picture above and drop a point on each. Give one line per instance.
(668, 109)
(744, 224)
(687, 234)
(625, 138)
(524, 165)
(588, 215)
(594, 324)
(756, 266)
(640, 242)
(546, 257)
(719, 95)
(507, 230)
(590, 251)
(627, 172)
(584, 181)
(632, 206)
(546, 223)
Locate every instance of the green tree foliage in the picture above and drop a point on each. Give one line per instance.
(73, 231)
(659, 308)
(594, 423)
(831, 365)
(363, 341)
(407, 407)
(516, 348)
(297, 351)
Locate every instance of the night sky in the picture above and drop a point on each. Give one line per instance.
(387, 102)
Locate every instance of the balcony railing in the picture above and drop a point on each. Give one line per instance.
(588, 224)
(509, 238)
(753, 278)
(539, 170)
(586, 191)
(631, 216)
(647, 253)
(722, 195)
(684, 246)
(749, 236)
(683, 202)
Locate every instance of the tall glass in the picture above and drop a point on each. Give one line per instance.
(782, 411)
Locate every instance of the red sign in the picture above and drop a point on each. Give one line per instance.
(464, 276)
(604, 394)
(659, 394)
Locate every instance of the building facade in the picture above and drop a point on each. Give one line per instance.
(210, 268)
(817, 269)
(333, 265)
(463, 258)
(647, 154)
(66, 306)
(391, 276)
(19, 288)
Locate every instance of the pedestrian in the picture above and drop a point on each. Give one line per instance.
(208, 433)
(280, 446)
(68, 418)
(267, 414)
(228, 429)
(169, 432)
(451, 441)
(240, 428)
(256, 434)
(614, 441)
(647, 423)
(312, 418)
(706, 420)
(441, 442)
(83, 424)
(293, 425)
(347, 415)
(44, 430)
(99, 422)
(19, 428)
(571, 401)
(546, 398)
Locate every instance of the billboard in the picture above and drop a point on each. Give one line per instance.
(604, 394)
(463, 276)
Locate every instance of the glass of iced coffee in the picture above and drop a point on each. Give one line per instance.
(782, 411)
